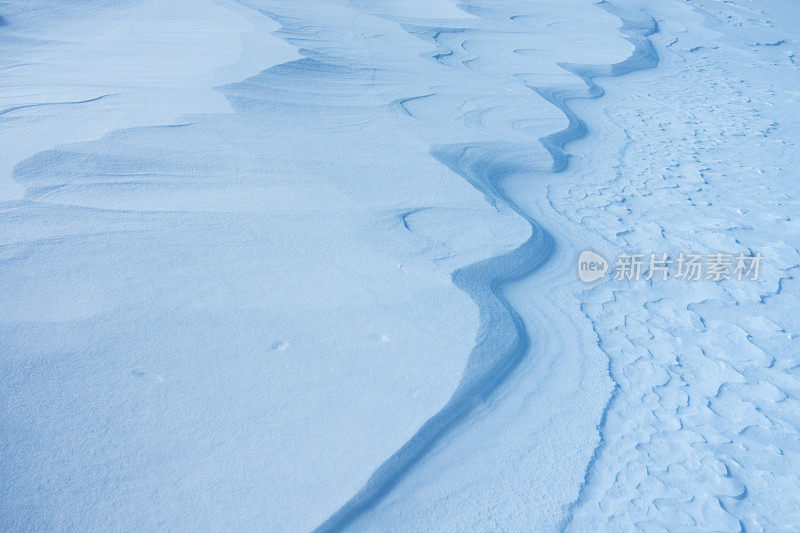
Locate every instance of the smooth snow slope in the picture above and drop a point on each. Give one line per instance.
(107, 65)
(225, 314)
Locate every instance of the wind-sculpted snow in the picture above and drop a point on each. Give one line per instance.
(702, 430)
(213, 302)
(643, 57)
(338, 290)
(503, 339)
(123, 62)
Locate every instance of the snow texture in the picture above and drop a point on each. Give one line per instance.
(280, 265)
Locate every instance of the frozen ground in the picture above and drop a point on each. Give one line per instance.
(269, 264)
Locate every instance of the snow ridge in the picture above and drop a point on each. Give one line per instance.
(643, 57)
(502, 340)
(86, 101)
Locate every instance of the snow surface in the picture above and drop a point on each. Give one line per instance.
(271, 264)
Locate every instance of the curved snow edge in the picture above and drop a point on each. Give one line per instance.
(502, 340)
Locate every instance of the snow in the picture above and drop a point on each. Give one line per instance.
(702, 429)
(97, 68)
(270, 264)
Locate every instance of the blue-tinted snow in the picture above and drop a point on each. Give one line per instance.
(276, 265)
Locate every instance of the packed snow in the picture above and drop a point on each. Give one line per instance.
(281, 265)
